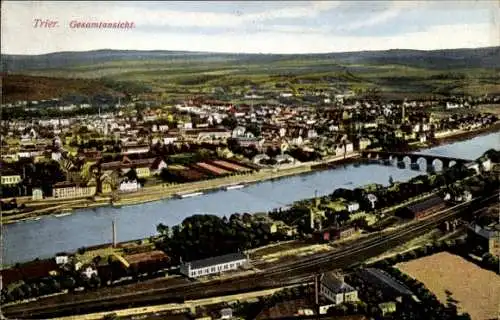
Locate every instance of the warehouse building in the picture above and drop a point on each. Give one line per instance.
(423, 208)
(213, 265)
(390, 287)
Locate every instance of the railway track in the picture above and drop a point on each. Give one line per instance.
(279, 275)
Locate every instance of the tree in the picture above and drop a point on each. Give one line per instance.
(53, 284)
(254, 129)
(230, 122)
(132, 174)
(68, 282)
(163, 230)
(95, 281)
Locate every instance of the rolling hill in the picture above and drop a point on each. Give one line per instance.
(177, 74)
(438, 59)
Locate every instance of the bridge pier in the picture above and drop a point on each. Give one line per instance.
(446, 163)
(415, 166)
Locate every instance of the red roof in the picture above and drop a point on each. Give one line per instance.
(29, 271)
(151, 256)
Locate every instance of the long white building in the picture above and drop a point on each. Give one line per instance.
(213, 265)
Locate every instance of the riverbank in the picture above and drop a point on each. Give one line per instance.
(45, 207)
(164, 191)
(466, 135)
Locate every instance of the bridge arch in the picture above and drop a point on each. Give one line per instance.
(438, 164)
(423, 163)
(407, 161)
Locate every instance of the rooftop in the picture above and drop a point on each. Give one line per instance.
(425, 204)
(146, 257)
(335, 284)
(217, 260)
(377, 276)
(28, 271)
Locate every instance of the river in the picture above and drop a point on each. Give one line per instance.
(43, 238)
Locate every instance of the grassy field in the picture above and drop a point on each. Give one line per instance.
(476, 290)
(177, 78)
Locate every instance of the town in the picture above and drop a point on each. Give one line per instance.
(129, 153)
(136, 148)
(331, 160)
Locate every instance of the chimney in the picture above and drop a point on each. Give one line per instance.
(113, 226)
(316, 290)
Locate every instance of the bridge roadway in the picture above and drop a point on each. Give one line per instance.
(279, 275)
(414, 157)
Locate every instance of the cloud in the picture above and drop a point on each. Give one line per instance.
(160, 16)
(395, 9)
(251, 32)
(266, 42)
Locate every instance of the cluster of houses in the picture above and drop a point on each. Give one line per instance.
(331, 290)
(108, 269)
(332, 130)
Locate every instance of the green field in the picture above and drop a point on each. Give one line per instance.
(233, 76)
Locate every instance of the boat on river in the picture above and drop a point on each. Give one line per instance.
(188, 195)
(233, 187)
(59, 215)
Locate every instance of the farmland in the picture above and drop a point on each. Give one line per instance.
(170, 78)
(448, 276)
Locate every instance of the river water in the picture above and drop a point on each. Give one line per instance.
(43, 238)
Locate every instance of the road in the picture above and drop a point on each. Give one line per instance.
(276, 276)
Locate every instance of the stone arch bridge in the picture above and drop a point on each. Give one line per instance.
(415, 159)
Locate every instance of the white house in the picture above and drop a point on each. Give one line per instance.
(238, 131)
(37, 194)
(487, 165)
(333, 127)
(450, 105)
(56, 156)
(129, 186)
(282, 132)
(352, 206)
(62, 259)
(297, 141)
(311, 133)
(334, 288)
(226, 313)
(213, 265)
(89, 272)
(422, 138)
(169, 139)
(349, 147)
(135, 149)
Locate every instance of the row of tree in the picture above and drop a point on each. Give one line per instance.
(49, 285)
(203, 236)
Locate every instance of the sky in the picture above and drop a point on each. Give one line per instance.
(252, 26)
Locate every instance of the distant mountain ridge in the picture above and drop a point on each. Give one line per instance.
(488, 57)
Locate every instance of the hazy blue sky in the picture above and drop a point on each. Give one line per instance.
(253, 26)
